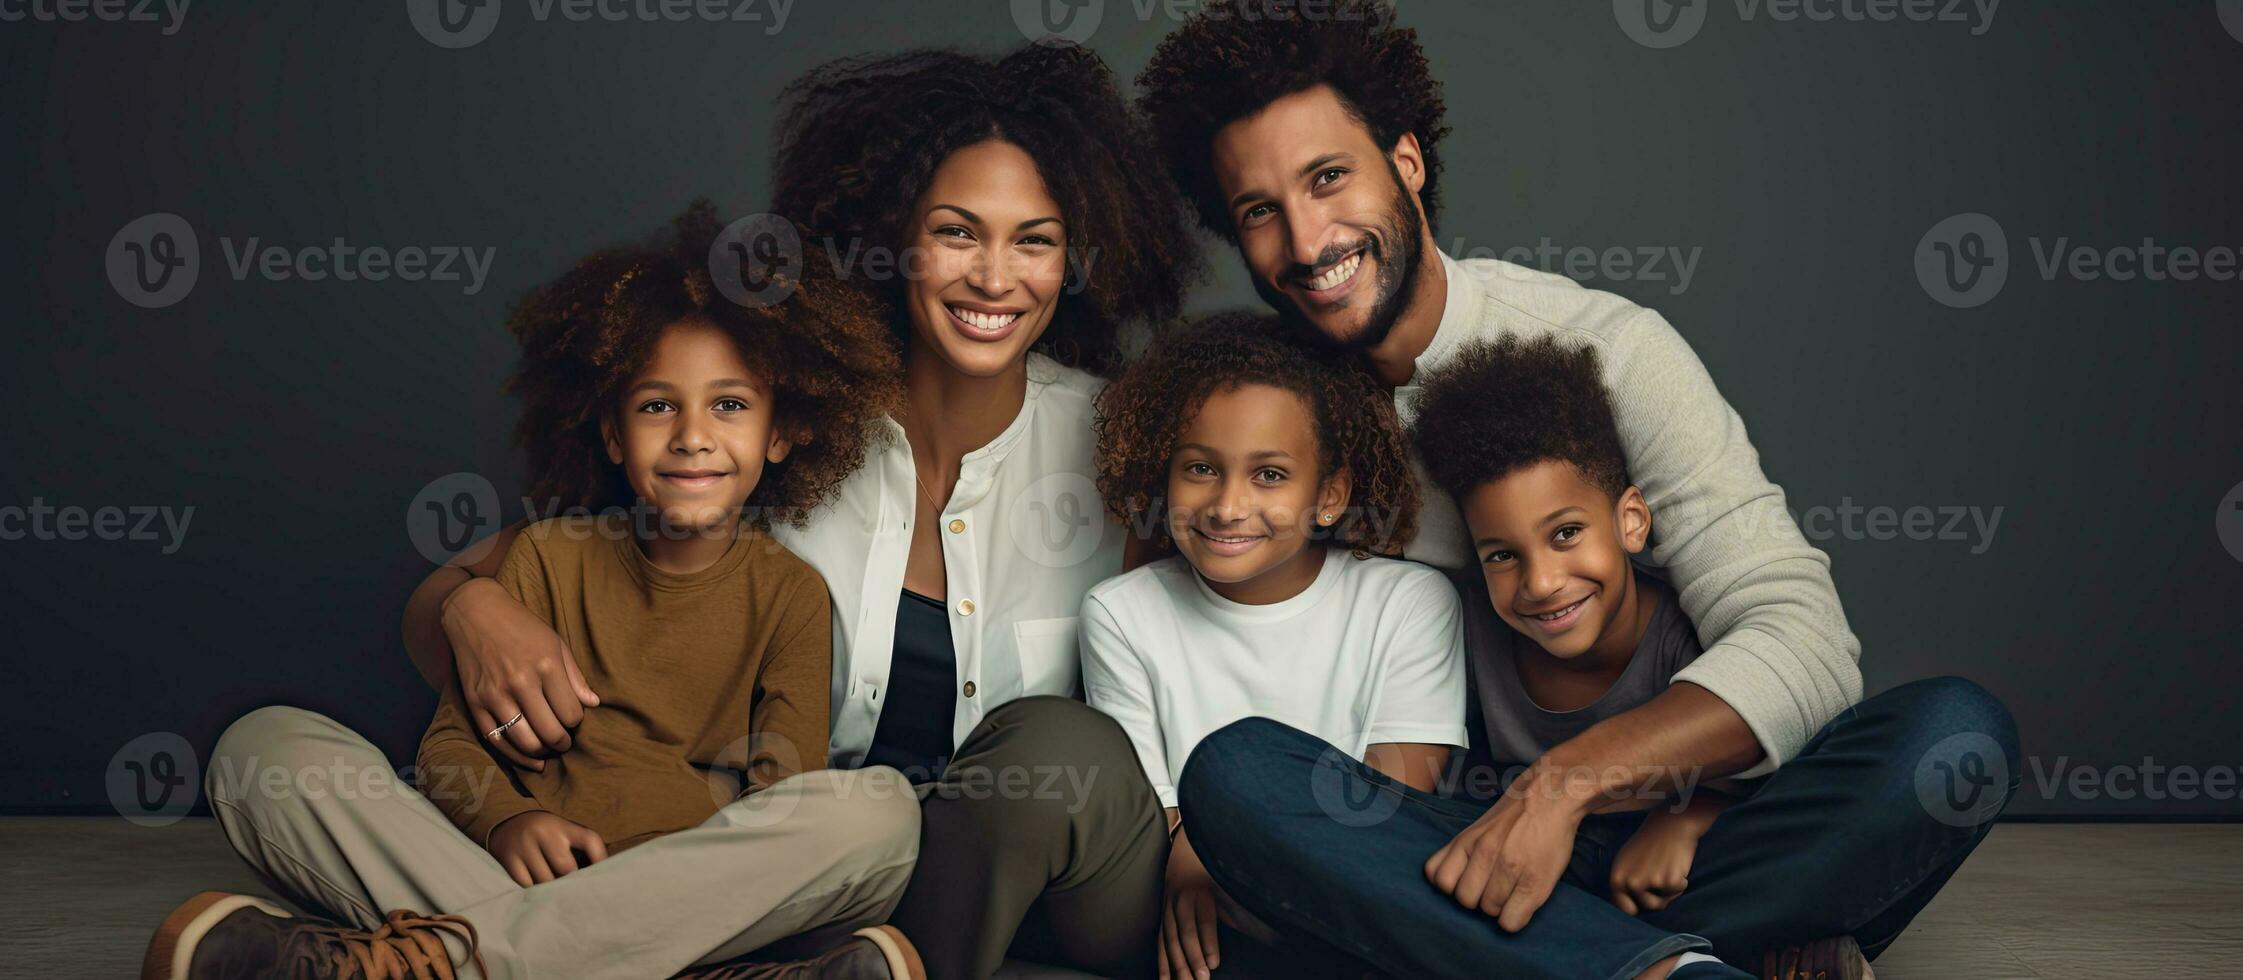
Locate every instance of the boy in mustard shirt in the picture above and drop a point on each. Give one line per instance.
(680, 830)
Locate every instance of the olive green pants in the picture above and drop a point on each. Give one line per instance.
(1043, 841)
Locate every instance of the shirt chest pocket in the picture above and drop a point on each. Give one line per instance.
(1049, 662)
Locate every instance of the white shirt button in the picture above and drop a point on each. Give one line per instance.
(957, 526)
(965, 607)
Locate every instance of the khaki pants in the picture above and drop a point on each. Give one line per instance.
(316, 809)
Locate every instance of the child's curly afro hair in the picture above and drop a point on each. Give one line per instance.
(823, 348)
(1141, 415)
(1504, 405)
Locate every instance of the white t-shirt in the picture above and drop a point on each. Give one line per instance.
(1371, 652)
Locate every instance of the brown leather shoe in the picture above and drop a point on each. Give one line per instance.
(217, 936)
(878, 953)
(1835, 958)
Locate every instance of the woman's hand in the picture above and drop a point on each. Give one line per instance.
(511, 663)
(537, 847)
(1188, 916)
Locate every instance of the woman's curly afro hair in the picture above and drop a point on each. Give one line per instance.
(1236, 56)
(1501, 406)
(859, 141)
(823, 349)
(1141, 415)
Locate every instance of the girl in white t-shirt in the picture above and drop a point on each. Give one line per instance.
(1273, 472)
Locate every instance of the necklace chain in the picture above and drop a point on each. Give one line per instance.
(923, 492)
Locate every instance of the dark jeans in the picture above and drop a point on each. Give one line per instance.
(1851, 837)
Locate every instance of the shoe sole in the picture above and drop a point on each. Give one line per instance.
(1838, 958)
(172, 949)
(903, 958)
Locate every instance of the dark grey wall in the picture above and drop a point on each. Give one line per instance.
(1799, 162)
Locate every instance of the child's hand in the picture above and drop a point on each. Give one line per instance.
(1653, 867)
(538, 846)
(1188, 916)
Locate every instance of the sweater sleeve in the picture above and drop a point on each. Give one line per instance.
(1116, 682)
(457, 770)
(789, 725)
(1777, 646)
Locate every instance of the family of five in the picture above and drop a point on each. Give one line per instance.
(1438, 621)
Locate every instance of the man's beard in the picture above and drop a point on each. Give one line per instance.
(1398, 271)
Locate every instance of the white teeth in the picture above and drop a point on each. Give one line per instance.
(1551, 617)
(1337, 274)
(983, 321)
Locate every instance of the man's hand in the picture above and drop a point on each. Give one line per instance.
(511, 662)
(1188, 916)
(1653, 867)
(538, 846)
(1509, 860)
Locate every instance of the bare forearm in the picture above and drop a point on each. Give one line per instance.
(1672, 743)
(425, 639)
(1416, 765)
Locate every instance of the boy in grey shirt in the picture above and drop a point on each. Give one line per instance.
(1562, 630)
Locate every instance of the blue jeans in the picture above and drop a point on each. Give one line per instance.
(1851, 837)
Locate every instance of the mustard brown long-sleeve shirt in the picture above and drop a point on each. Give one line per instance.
(703, 679)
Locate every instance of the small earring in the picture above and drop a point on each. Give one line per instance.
(1327, 518)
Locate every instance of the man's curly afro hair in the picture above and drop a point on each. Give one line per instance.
(859, 141)
(1502, 406)
(1141, 415)
(823, 349)
(1235, 57)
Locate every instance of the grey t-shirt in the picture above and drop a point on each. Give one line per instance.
(1520, 731)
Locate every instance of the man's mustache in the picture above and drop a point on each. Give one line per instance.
(1333, 253)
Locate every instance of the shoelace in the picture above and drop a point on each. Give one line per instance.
(408, 945)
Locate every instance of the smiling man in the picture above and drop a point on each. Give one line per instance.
(1308, 135)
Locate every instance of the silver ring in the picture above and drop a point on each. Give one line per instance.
(510, 722)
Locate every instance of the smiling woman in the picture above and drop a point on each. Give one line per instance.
(1011, 213)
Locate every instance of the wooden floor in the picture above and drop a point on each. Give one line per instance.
(81, 894)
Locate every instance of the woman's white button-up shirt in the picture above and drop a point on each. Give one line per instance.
(1024, 537)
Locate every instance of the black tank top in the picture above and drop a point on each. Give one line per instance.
(916, 715)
